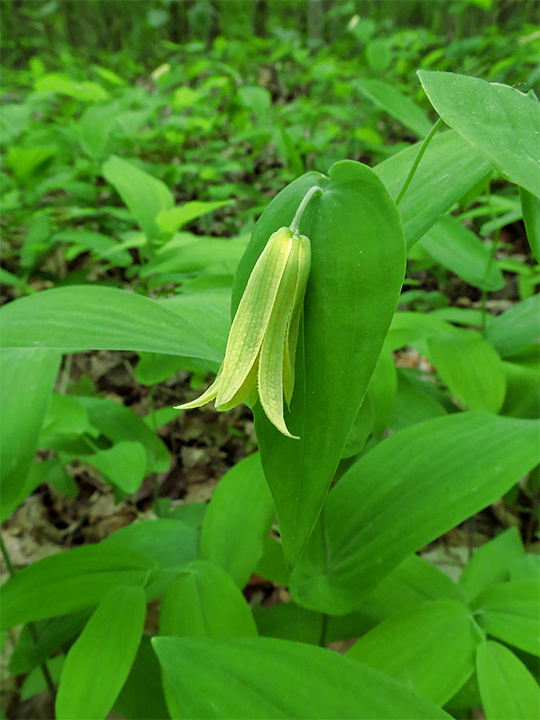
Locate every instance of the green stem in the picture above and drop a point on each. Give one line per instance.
(295, 225)
(415, 164)
(324, 628)
(31, 627)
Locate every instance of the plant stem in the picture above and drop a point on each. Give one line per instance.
(416, 162)
(295, 225)
(31, 627)
(324, 628)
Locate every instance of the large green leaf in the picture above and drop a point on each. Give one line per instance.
(407, 491)
(455, 247)
(87, 317)
(429, 648)
(242, 502)
(507, 688)
(448, 169)
(203, 600)
(60, 584)
(28, 378)
(396, 104)
(509, 612)
(99, 662)
(268, 678)
(497, 120)
(357, 267)
(470, 368)
(145, 195)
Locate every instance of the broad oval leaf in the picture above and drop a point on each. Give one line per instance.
(357, 267)
(99, 661)
(499, 121)
(429, 648)
(407, 491)
(267, 678)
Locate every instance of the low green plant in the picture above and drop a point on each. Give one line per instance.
(382, 462)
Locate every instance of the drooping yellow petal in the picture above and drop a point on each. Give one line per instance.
(260, 355)
(247, 392)
(291, 336)
(251, 319)
(271, 359)
(210, 394)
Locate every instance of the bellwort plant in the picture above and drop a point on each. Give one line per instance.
(261, 349)
(363, 463)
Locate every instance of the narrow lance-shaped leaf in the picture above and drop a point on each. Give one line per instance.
(70, 319)
(265, 678)
(99, 662)
(405, 493)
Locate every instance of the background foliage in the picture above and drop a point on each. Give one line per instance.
(141, 143)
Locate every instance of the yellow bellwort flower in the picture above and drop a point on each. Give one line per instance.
(261, 349)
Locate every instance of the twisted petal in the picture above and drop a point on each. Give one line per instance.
(272, 359)
(253, 315)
